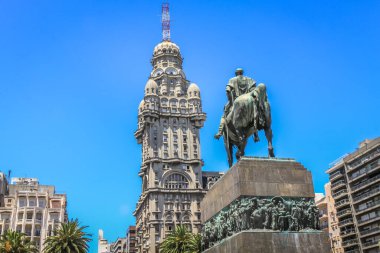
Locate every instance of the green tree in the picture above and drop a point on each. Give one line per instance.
(195, 244)
(68, 238)
(181, 241)
(16, 242)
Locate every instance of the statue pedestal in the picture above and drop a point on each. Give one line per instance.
(273, 242)
(263, 205)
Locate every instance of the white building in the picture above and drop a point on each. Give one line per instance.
(30, 208)
(103, 245)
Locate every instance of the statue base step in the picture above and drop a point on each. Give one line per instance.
(256, 241)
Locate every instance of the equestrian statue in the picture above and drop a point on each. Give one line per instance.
(246, 112)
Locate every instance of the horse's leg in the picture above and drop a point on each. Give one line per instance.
(228, 146)
(241, 149)
(230, 154)
(269, 135)
(256, 136)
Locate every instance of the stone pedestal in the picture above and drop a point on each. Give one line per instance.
(255, 206)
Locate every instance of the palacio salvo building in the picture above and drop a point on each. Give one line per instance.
(170, 117)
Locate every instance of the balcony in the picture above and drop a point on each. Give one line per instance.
(365, 183)
(342, 203)
(368, 220)
(346, 222)
(369, 231)
(352, 251)
(369, 244)
(339, 194)
(348, 232)
(350, 242)
(368, 206)
(363, 160)
(367, 169)
(366, 195)
(335, 175)
(343, 212)
(338, 184)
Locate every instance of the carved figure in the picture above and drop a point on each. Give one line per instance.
(290, 214)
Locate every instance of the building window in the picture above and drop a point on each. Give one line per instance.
(32, 202)
(22, 202)
(29, 215)
(37, 231)
(54, 217)
(39, 216)
(41, 203)
(28, 230)
(5, 217)
(56, 204)
(176, 181)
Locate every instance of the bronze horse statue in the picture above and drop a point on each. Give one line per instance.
(249, 113)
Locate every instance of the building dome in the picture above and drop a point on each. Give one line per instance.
(193, 91)
(166, 47)
(141, 105)
(151, 87)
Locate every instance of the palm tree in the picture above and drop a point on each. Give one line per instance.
(195, 244)
(181, 241)
(68, 238)
(16, 242)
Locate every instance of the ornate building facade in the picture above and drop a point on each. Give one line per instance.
(170, 117)
(31, 208)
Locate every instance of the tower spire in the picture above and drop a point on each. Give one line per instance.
(165, 22)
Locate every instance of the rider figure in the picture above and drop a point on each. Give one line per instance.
(236, 87)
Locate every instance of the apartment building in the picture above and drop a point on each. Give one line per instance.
(321, 203)
(121, 245)
(131, 240)
(30, 208)
(328, 220)
(355, 189)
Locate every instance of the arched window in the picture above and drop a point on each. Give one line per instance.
(176, 181)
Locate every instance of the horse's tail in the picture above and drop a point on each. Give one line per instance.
(268, 116)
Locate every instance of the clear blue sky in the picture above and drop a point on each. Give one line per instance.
(72, 74)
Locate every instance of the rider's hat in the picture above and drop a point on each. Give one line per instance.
(239, 71)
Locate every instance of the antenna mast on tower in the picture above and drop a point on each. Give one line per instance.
(165, 22)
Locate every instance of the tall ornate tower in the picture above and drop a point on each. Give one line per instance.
(169, 119)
